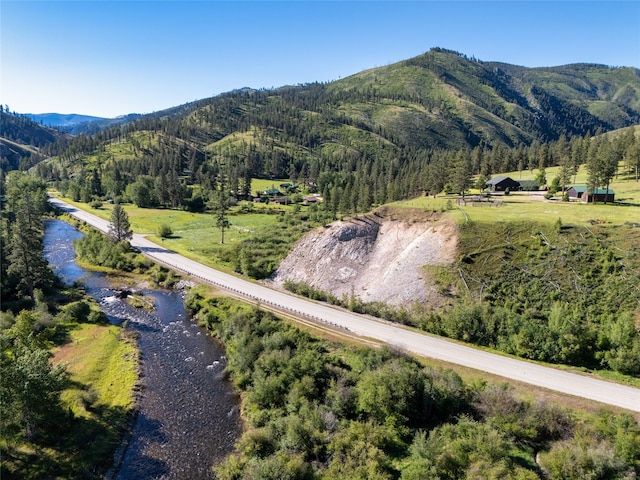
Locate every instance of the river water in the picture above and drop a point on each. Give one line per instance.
(188, 416)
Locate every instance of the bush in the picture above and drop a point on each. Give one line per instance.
(164, 231)
(100, 250)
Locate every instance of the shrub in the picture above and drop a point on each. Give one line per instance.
(164, 231)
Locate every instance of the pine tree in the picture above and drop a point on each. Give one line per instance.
(460, 175)
(26, 261)
(221, 208)
(120, 228)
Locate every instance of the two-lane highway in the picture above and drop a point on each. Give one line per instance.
(428, 346)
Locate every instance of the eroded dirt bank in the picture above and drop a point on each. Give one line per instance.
(378, 257)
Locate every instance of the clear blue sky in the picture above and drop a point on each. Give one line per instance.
(118, 57)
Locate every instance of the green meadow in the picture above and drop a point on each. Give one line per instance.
(196, 236)
(102, 364)
(532, 206)
(103, 369)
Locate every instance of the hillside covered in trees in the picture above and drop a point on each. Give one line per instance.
(387, 133)
(23, 142)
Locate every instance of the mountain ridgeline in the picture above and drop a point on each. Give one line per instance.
(399, 129)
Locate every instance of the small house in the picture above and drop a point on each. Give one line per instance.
(501, 183)
(272, 192)
(576, 192)
(282, 200)
(585, 194)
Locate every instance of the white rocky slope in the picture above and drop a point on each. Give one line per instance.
(378, 257)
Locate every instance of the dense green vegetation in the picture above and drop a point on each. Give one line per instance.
(60, 421)
(55, 422)
(96, 251)
(259, 256)
(22, 266)
(315, 409)
(386, 134)
(559, 294)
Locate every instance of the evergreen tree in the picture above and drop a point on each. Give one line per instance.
(26, 268)
(460, 175)
(610, 159)
(602, 166)
(566, 170)
(632, 158)
(26, 260)
(221, 209)
(120, 228)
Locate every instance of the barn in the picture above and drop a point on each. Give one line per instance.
(583, 193)
(598, 195)
(501, 183)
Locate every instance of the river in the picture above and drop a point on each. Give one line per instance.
(188, 417)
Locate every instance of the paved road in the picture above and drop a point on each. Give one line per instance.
(569, 383)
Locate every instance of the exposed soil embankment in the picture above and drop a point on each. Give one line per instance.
(377, 257)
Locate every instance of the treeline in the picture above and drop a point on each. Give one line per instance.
(51, 426)
(325, 137)
(23, 268)
(159, 170)
(40, 436)
(318, 410)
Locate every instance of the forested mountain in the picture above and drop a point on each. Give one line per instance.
(444, 99)
(385, 133)
(23, 142)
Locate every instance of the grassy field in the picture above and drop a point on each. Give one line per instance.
(196, 236)
(103, 367)
(102, 363)
(262, 184)
(525, 206)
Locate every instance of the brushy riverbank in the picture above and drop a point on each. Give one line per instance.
(83, 394)
(316, 409)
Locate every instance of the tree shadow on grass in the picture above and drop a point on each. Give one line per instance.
(70, 447)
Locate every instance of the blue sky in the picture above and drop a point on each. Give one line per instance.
(110, 58)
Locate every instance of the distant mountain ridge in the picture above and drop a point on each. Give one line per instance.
(22, 140)
(76, 124)
(440, 99)
(61, 119)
